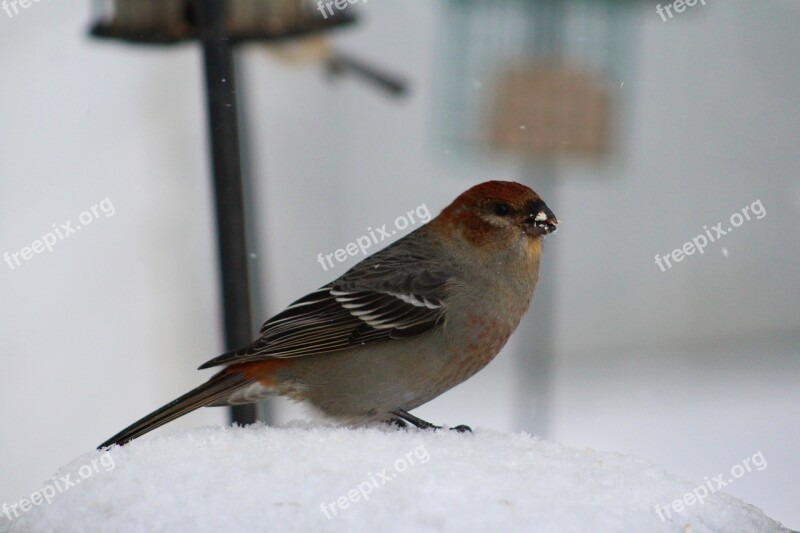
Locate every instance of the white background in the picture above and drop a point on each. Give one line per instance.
(695, 368)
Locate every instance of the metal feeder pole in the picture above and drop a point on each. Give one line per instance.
(206, 20)
(227, 176)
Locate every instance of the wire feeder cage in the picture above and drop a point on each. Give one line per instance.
(534, 77)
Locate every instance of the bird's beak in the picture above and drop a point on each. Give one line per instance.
(541, 222)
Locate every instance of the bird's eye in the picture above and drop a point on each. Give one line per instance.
(501, 209)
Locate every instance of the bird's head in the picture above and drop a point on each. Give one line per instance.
(497, 214)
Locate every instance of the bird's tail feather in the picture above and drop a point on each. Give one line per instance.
(218, 387)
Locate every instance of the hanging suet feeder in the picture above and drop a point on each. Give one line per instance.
(535, 78)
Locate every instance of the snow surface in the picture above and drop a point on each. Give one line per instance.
(260, 478)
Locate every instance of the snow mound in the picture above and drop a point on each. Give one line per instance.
(314, 477)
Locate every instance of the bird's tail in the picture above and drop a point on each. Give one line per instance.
(216, 388)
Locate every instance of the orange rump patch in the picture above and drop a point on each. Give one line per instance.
(262, 371)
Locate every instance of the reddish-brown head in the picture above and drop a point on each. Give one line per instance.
(496, 213)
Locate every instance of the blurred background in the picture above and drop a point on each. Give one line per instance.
(638, 125)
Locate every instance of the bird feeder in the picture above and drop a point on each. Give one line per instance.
(545, 110)
(171, 21)
(534, 78)
(219, 25)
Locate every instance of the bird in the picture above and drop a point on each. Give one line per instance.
(401, 327)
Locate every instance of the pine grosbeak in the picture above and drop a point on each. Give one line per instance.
(398, 329)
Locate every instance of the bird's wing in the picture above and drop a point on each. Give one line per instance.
(393, 294)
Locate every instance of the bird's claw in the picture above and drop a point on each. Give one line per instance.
(398, 423)
(403, 417)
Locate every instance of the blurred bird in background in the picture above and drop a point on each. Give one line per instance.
(398, 329)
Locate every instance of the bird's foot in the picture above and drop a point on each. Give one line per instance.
(397, 423)
(405, 416)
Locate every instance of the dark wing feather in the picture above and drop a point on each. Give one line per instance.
(396, 293)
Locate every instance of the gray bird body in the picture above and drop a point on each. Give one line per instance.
(398, 329)
(366, 383)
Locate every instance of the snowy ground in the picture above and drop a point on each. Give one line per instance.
(312, 477)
